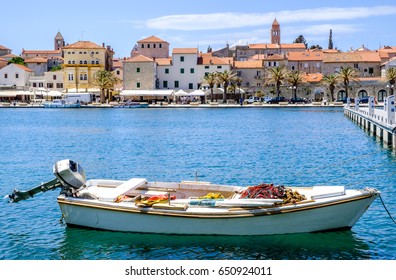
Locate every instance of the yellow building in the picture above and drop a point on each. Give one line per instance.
(81, 61)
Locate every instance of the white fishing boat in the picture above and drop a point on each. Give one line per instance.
(200, 208)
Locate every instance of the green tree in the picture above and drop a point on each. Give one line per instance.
(17, 60)
(331, 81)
(56, 68)
(390, 77)
(301, 39)
(294, 79)
(105, 80)
(225, 78)
(211, 80)
(276, 76)
(346, 76)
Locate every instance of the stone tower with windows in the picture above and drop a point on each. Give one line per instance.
(275, 33)
(59, 42)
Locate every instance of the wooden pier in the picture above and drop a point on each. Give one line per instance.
(380, 122)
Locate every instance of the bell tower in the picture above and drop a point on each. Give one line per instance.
(59, 42)
(275, 32)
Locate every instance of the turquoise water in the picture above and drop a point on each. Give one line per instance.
(243, 146)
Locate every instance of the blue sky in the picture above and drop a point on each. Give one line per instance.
(33, 24)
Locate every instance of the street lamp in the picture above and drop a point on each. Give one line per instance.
(390, 86)
(294, 88)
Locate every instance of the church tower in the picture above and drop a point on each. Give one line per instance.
(275, 32)
(59, 42)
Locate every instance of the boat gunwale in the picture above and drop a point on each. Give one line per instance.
(249, 212)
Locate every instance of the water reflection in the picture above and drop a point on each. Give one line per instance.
(92, 244)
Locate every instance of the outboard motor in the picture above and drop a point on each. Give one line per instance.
(70, 174)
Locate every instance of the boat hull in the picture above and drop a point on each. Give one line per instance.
(308, 217)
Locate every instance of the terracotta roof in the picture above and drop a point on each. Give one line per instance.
(312, 78)
(9, 55)
(248, 64)
(83, 45)
(275, 23)
(23, 67)
(152, 39)
(164, 61)
(209, 59)
(360, 56)
(185, 51)
(277, 46)
(36, 60)
(4, 48)
(305, 56)
(139, 58)
(58, 35)
(386, 51)
(42, 52)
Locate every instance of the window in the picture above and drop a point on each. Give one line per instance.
(148, 46)
(165, 84)
(192, 70)
(269, 63)
(176, 84)
(166, 70)
(293, 68)
(118, 72)
(239, 73)
(356, 65)
(59, 85)
(190, 86)
(54, 77)
(34, 85)
(305, 65)
(154, 46)
(181, 70)
(206, 74)
(371, 71)
(138, 85)
(92, 62)
(71, 78)
(206, 66)
(50, 85)
(69, 62)
(138, 70)
(81, 62)
(85, 77)
(41, 84)
(181, 58)
(85, 62)
(275, 63)
(80, 52)
(219, 66)
(142, 46)
(16, 76)
(97, 62)
(160, 45)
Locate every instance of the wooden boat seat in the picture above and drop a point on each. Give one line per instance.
(111, 194)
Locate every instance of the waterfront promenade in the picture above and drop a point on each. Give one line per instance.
(190, 105)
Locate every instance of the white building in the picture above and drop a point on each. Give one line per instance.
(16, 76)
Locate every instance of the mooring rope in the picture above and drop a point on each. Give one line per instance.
(386, 209)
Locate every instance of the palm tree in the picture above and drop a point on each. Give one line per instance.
(346, 76)
(331, 81)
(226, 78)
(276, 76)
(238, 81)
(211, 80)
(105, 80)
(294, 78)
(390, 77)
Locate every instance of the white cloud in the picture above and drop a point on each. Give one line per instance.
(217, 21)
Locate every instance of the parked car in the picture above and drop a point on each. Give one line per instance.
(364, 99)
(298, 100)
(345, 100)
(276, 100)
(253, 99)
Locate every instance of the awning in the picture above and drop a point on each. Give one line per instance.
(13, 93)
(136, 92)
(197, 92)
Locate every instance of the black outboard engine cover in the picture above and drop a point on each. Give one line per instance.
(70, 174)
